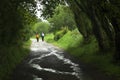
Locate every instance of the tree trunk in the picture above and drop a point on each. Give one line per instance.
(117, 38)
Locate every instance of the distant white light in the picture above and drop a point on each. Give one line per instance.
(38, 10)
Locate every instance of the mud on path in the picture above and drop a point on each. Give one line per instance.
(47, 62)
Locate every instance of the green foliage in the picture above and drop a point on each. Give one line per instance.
(41, 27)
(100, 18)
(73, 42)
(62, 17)
(49, 6)
(70, 39)
(16, 18)
(14, 56)
(60, 33)
(49, 37)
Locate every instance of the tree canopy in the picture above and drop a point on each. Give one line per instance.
(42, 27)
(103, 20)
(14, 16)
(62, 17)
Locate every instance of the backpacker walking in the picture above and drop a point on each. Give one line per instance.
(37, 37)
(42, 35)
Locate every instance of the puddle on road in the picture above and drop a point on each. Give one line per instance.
(51, 70)
(76, 70)
(74, 66)
(36, 78)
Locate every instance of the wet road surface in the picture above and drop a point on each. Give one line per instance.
(47, 62)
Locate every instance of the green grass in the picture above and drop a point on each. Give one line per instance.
(49, 37)
(10, 57)
(88, 53)
(69, 40)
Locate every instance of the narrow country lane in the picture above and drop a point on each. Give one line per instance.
(47, 62)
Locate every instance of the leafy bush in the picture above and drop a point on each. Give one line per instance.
(60, 33)
(49, 37)
(63, 16)
(41, 27)
(89, 53)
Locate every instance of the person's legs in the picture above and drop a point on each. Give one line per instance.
(42, 38)
(37, 39)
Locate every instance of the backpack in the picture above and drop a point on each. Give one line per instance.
(37, 36)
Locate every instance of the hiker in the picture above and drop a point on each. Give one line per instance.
(42, 35)
(37, 37)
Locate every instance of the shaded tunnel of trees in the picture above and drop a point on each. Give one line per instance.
(99, 18)
(16, 16)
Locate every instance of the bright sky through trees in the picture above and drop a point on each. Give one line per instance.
(38, 11)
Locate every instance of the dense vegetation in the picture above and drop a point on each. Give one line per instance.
(61, 21)
(73, 43)
(16, 17)
(41, 27)
(63, 17)
(98, 22)
(99, 18)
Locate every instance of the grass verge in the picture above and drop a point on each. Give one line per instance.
(10, 57)
(88, 53)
